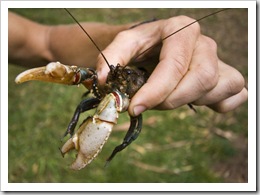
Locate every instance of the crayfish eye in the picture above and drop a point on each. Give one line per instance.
(128, 71)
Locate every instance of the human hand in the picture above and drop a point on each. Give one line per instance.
(188, 71)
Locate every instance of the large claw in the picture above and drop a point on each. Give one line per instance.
(54, 72)
(88, 141)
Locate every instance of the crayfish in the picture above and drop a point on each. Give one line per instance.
(121, 84)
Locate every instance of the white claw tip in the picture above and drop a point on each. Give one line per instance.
(17, 80)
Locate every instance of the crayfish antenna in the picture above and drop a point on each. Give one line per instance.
(88, 36)
(197, 20)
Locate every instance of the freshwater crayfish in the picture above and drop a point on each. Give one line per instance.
(122, 83)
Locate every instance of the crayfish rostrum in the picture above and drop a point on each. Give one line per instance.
(121, 84)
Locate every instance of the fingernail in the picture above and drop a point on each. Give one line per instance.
(139, 109)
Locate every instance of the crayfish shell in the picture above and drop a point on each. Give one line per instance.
(88, 141)
(95, 131)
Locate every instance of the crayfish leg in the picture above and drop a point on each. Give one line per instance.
(85, 105)
(191, 107)
(132, 133)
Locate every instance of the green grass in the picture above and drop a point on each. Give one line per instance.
(174, 146)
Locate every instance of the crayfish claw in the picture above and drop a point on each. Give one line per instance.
(62, 154)
(54, 72)
(69, 145)
(87, 141)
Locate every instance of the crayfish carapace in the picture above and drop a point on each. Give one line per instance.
(121, 84)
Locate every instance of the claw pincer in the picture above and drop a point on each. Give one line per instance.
(55, 72)
(94, 132)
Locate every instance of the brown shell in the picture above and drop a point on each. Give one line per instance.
(126, 79)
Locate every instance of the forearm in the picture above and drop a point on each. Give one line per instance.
(32, 44)
(73, 45)
(26, 41)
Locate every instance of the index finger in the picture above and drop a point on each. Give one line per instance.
(125, 46)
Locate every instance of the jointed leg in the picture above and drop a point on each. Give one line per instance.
(86, 104)
(191, 107)
(133, 132)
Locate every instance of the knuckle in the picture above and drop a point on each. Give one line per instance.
(210, 43)
(179, 65)
(235, 83)
(208, 73)
(128, 37)
(185, 20)
(178, 22)
(123, 34)
(166, 105)
(208, 78)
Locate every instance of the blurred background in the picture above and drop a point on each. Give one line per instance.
(174, 146)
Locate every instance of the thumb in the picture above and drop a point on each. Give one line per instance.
(140, 101)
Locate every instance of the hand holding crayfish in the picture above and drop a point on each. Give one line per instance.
(189, 70)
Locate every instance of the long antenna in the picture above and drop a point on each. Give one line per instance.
(88, 36)
(150, 46)
(180, 30)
